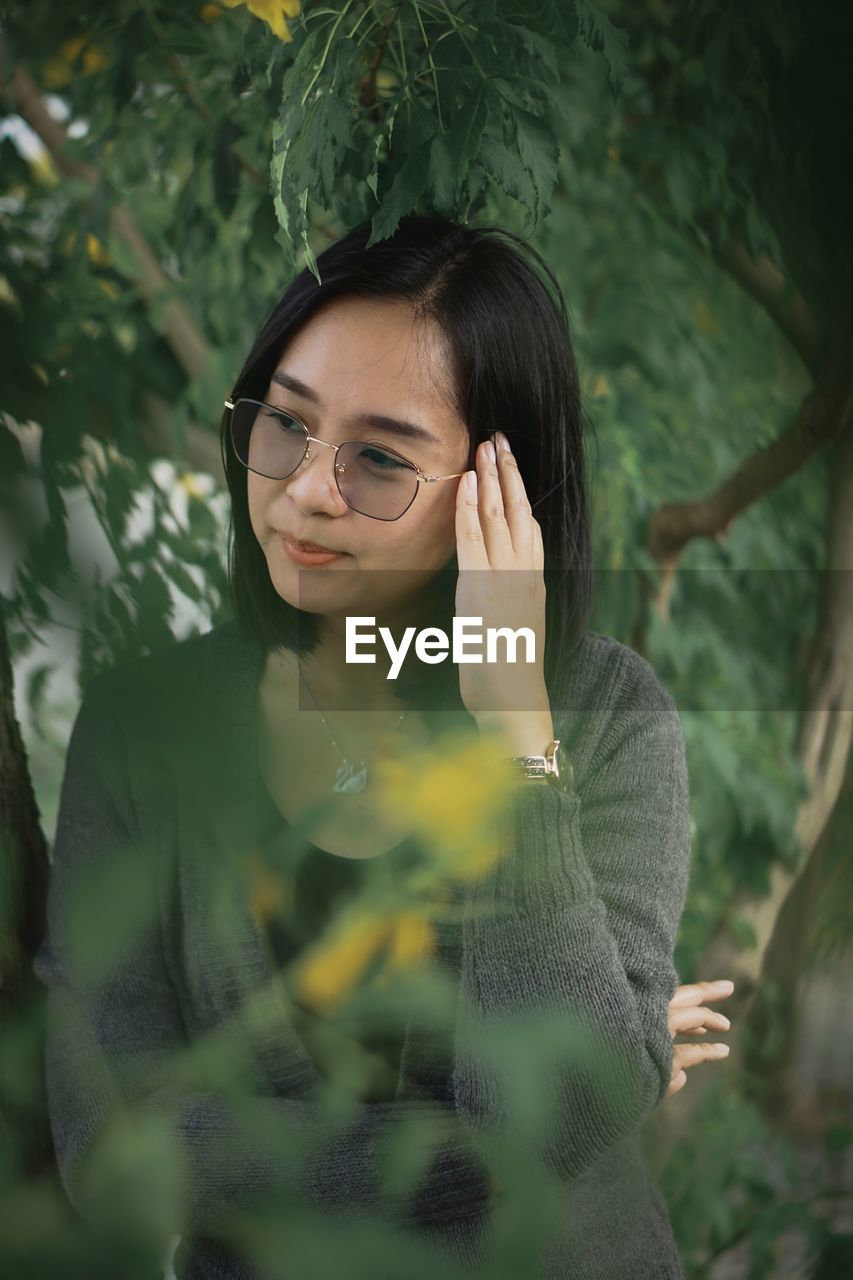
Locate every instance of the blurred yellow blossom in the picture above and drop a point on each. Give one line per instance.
(7, 294)
(266, 891)
(412, 940)
(332, 967)
(387, 82)
(272, 12)
(43, 168)
(95, 250)
(456, 794)
(194, 485)
(57, 70)
(98, 255)
(210, 12)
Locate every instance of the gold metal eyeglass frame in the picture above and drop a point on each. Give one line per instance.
(340, 468)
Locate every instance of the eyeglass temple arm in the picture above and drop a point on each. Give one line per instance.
(432, 479)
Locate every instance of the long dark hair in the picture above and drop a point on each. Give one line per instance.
(514, 369)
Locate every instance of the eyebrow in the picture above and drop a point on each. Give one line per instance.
(397, 426)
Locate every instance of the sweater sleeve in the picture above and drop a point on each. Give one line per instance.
(117, 1049)
(579, 921)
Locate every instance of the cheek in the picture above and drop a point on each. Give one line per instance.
(432, 531)
(256, 504)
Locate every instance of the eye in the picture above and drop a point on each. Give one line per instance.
(283, 421)
(374, 456)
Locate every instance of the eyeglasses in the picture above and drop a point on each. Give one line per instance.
(375, 481)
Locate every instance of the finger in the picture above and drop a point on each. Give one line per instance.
(677, 1083)
(470, 544)
(690, 1055)
(525, 531)
(693, 993)
(682, 1020)
(496, 530)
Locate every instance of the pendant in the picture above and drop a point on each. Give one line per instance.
(347, 781)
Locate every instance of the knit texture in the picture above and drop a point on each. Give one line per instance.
(578, 919)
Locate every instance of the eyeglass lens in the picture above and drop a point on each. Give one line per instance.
(370, 479)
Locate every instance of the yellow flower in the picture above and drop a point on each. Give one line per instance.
(43, 169)
(210, 12)
(456, 795)
(412, 940)
(412, 943)
(193, 485)
(265, 890)
(98, 255)
(57, 70)
(272, 12)
(7, 293)
(330, 968)
(387, 82)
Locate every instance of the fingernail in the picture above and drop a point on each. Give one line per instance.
(503, 443)
(721, 1049)
(490, 450)
(725, 985)
(724, 1019)
(471, 481)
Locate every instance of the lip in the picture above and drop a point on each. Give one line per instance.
(310, 554)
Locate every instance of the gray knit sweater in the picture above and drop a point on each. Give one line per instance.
(579, 919)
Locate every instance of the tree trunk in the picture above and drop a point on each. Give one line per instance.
(24, 868)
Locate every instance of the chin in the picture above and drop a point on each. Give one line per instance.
(316, 591)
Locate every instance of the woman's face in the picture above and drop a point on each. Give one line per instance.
(362, 356)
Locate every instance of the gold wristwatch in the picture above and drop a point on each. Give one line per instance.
(546, 768)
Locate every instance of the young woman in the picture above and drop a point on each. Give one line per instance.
(403, 444)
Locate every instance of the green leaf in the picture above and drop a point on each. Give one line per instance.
(505, 167)
(467, 129)
(443, 174)
(544, 52)
(599, 34)
(409, 183)
(540, 156)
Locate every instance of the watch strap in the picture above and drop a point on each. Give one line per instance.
(546, 767)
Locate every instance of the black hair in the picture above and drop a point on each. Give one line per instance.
(514, 368)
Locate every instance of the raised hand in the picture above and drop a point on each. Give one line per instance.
(496, 532)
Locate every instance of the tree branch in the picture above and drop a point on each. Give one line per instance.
(762, 279)
(180, 330)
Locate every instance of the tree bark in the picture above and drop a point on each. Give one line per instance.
(24, 869)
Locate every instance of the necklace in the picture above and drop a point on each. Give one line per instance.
(348, 780)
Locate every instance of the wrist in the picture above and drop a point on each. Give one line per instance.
(519, 733)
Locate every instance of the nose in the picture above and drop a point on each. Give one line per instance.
(312, 485)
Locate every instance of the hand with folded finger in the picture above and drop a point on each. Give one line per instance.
(689, 1016)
